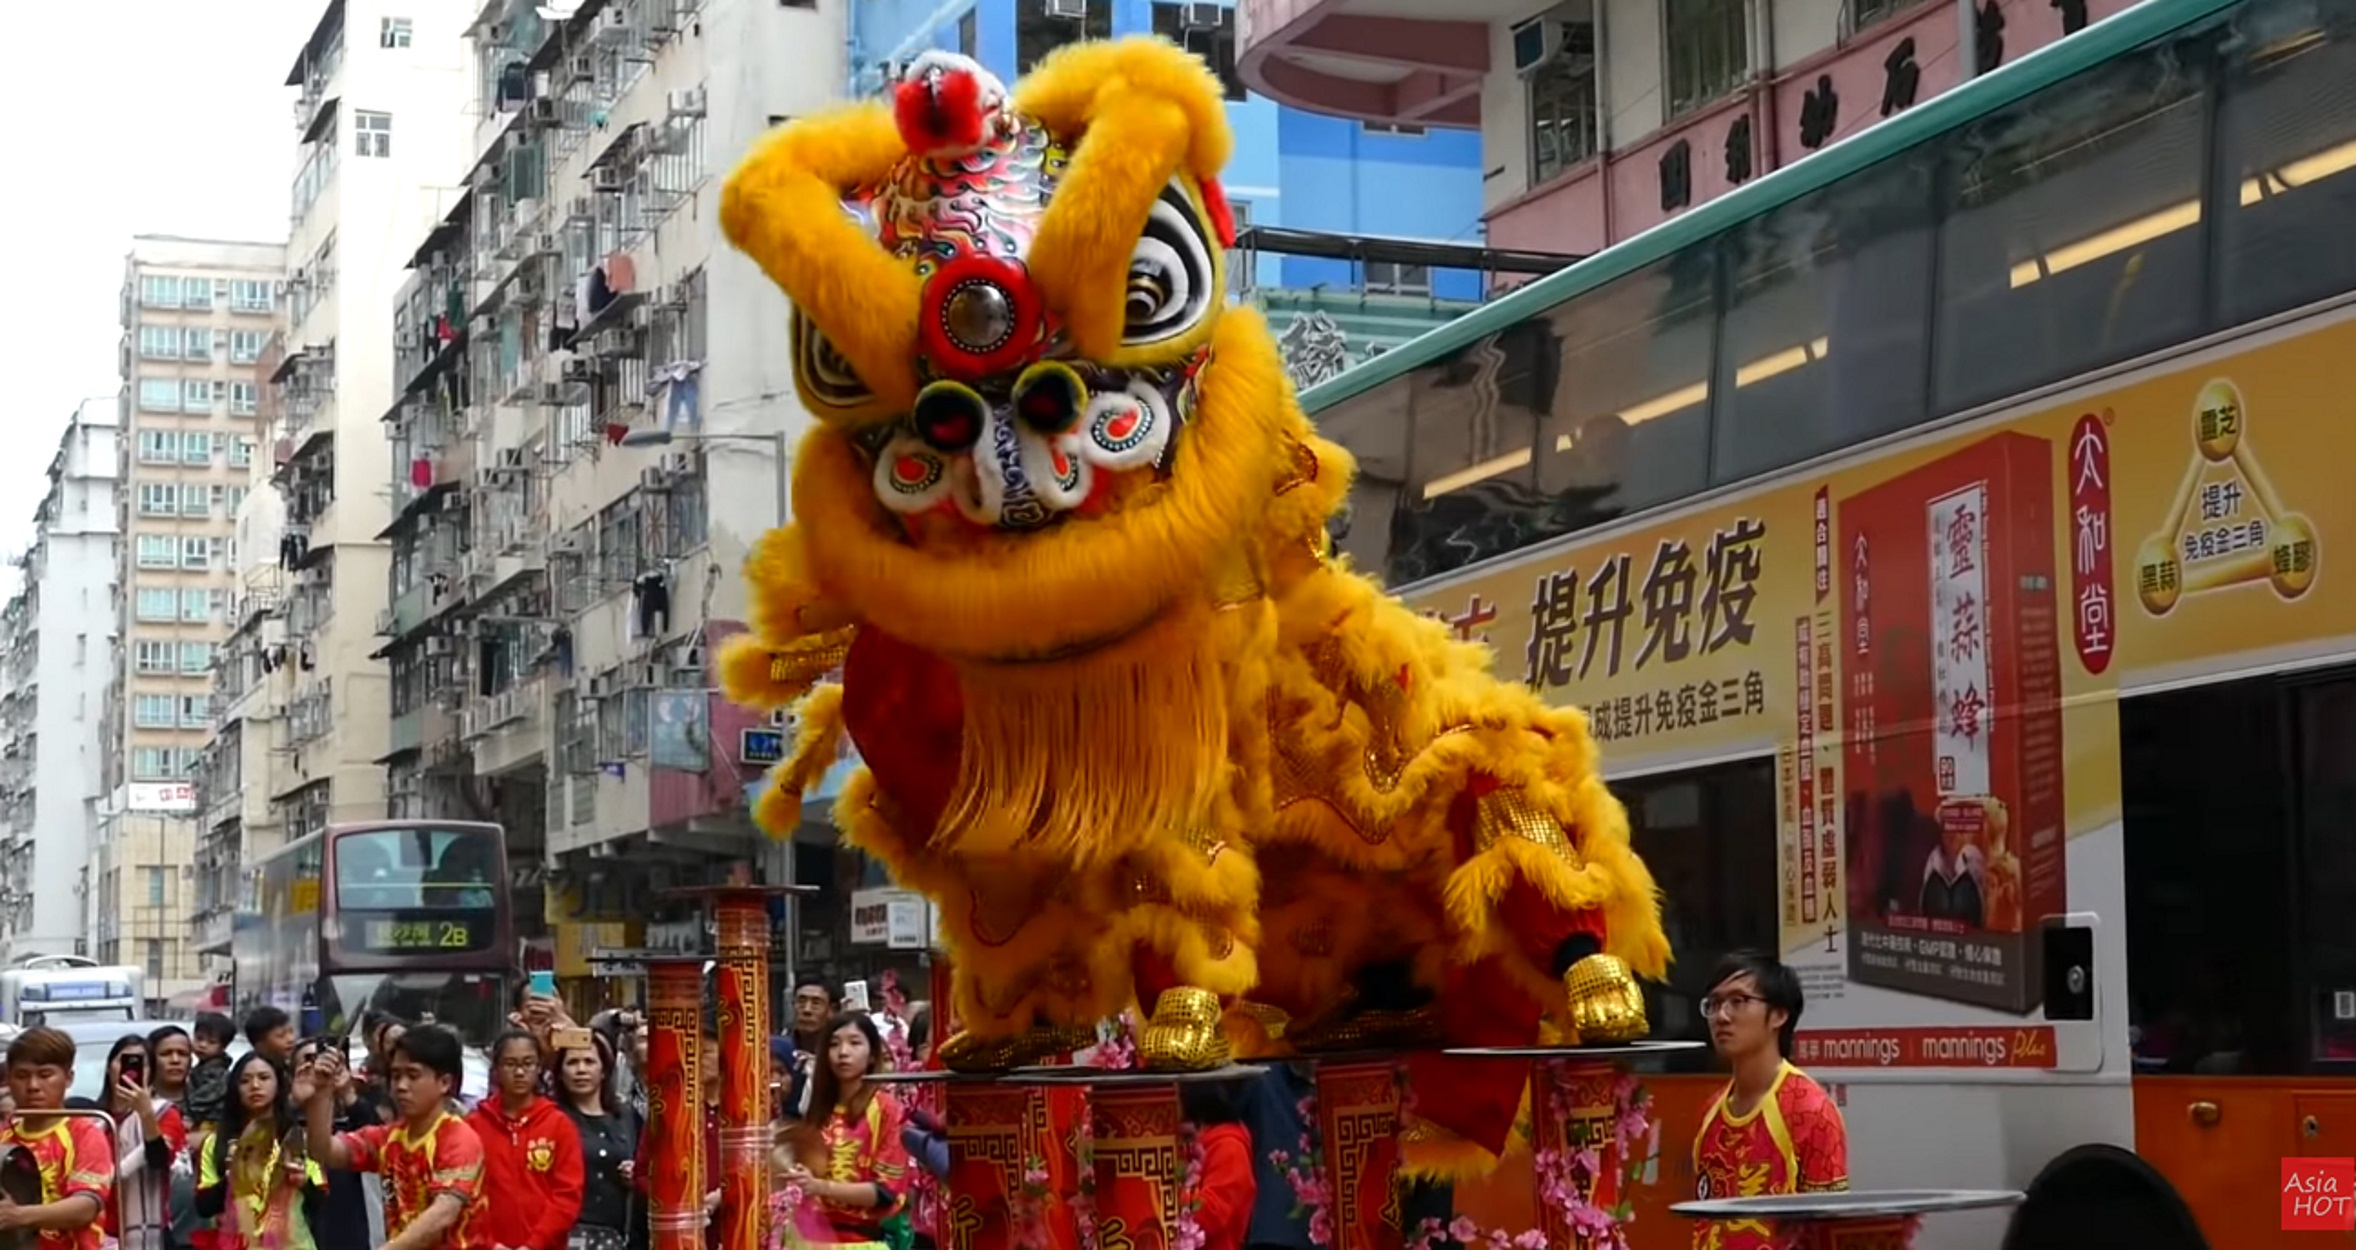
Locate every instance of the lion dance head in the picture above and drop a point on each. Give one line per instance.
(1048, 449)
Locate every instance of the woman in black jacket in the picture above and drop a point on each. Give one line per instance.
(612, 1215)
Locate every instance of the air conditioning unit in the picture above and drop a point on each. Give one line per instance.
(579, 370)
(1069, 10)
(686, 103)
(1536, 43)
(654, 481)
(1541, 41)
(607, 178)
(1202, 16)
(544, 112)
(674, 464)
(582, 208)
(582, 68)
(441, 644)
(642, 317)
(568, 543)
(613, 342)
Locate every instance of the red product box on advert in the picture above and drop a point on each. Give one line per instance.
(1951, 655)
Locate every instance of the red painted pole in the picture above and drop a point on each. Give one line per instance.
(674, 1103)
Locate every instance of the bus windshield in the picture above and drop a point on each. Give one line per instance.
(471, 1004)
(423, 869)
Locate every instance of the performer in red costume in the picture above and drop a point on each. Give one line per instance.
(1774, 1130)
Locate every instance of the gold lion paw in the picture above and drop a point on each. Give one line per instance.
(1184, 1034)
(966, 1053)
(1347, 1026)
(1606, 1006)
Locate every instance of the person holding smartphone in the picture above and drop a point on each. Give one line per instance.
(149, 1136)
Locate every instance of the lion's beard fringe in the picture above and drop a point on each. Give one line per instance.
(1086, 759)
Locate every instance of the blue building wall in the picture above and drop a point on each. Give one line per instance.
(1290, 168)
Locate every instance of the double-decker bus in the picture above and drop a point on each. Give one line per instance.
(1940, 534)
(55, 989)
(406, 917)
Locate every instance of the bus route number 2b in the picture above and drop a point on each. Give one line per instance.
(419, 935)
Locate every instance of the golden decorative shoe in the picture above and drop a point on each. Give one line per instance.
(966, 1053)
(1606, 1004)
(1184, 1034)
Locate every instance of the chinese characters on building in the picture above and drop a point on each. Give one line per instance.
(1617, 619)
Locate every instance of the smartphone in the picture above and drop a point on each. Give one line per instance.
(544, 983)
(575, 1038)
(135, 1069)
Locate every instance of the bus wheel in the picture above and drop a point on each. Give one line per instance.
(2102, 1198)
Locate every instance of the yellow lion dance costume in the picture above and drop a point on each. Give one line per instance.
(1062, 530)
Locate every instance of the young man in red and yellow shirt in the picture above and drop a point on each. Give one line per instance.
(1774, 1131)
(75, 1154)
(432, 1163)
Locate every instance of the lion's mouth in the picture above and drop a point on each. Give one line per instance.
(1020, 454)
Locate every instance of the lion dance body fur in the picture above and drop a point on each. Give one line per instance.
(1062, 531)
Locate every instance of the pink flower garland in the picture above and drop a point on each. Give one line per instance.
(785, 1213)
(926, 1202)
(1190, 1199)
(1028, 1211)
(1563, 1176)
(1312, 1188)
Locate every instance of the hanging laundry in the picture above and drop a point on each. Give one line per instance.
(421, 472)
(561, 644)
(681, 406)
(650, 595)
(600, 293)
(621, 273)
(515, 84)
(307, 659)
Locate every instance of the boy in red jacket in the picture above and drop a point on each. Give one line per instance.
(531, 1152)
(1223, 1192)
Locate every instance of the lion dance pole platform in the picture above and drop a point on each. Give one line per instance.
(1861, 1219)
(740, 918)
(674, 1105)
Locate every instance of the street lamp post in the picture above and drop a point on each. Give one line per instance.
(659, 437)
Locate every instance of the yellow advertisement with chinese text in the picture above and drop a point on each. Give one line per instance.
(1929, 643)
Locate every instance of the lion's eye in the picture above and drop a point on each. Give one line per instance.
(1171, 273)
(825, 374)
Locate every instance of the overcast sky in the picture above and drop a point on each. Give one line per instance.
(133, 117)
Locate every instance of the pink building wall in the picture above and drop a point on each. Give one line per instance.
(1618, 196)
(675, 796)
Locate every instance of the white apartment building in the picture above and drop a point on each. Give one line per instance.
(196, 314)
(554, 590)
(56, 647)
(382, 137)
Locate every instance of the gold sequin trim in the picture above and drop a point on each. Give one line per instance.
(1303, 469)
(811, 658)
(1508, 813)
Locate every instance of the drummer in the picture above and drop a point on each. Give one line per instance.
(75, 1154)
(1773, 1130)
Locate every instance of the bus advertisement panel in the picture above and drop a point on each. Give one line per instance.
(1932, 641)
